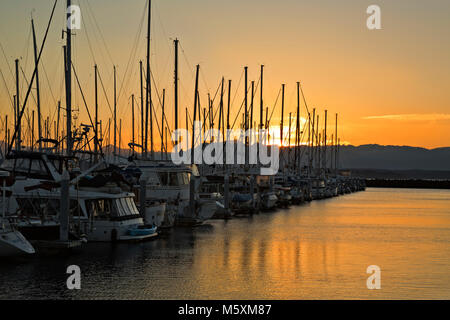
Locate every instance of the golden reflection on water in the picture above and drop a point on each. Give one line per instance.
(319, 250)
(322, 250)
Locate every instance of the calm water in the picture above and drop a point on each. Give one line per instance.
(315, 251)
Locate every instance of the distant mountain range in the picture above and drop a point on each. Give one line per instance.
(375, 156)
(377, 161)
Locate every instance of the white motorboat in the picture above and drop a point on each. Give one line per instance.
(171, 183)
(98, 213)
(12, 242)
(269, 200)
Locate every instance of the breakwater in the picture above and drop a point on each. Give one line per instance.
(408, 183)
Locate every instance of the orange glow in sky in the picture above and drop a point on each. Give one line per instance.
(389, 86)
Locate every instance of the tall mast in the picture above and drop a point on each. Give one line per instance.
(282, 114)
(109, 134)
(38, 96)
(246, 99)
(223, 114)
(6, 134)
(210, 113)
(325, 142)
(317, 143)
(221, 107)
(115, 115)
(132, 120)
(228, 121)
(187, 121)
(195, 114)
(251, 105)
(147, 84)
(204, 120)
(261, 107)
(32, 131)
(142, 107)
(337, 154)
(246, 115)
(96, 116)
(228, 105)
(68, 53)
(163, 146)
(18, 124)
(175, 42)
(312, 131)
(336, 145)
(57, 121)
(120, 135)
(261, 100)
(289, 139)
(297, 130)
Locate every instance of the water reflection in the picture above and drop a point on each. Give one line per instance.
(315, 251)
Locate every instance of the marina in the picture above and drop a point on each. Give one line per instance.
(157, 178)
(69, 187)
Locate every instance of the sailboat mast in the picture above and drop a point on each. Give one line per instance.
(175, 43)
(115, 115)
(142, 106)
(289, 139)
(251, 106)
(297, 131)
(195, 114)
(147, 83)
(96, 144)
(325, 142)
(261, 100)
(6, 134)
(246, 116)
(336, 144)
(38, 96)
(68, 53)
(19, 126)
(228, 105)
(282, 114)
(163, 146)
(32, 131)
(132, 120)
(221, 107)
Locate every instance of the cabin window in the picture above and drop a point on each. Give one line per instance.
(163, 178)
(185, 178)
(126, 207)
(132, 206)
(75, 209)
(38, 206)
(42, 207)
(121, 209)
(99, 208)
(173, 179)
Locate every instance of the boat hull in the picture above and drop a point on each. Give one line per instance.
(14, 244)
(154, 214)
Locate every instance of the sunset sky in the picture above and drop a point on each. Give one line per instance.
(389, 86)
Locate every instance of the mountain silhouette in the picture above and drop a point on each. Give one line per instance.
(373, 156)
